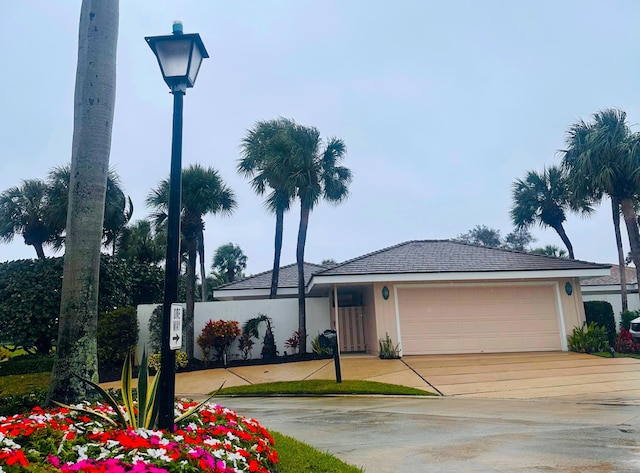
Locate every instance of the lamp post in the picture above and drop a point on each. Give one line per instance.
(179, 56)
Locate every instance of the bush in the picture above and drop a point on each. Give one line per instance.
(155, 330)
(26, 364)
(182, 360)
(626, 316)
(388, 350)
(625, 343)
(588, 339)
(601, 313)
(319, 350)
(117, 335)
(293, 342)
(20, 403)
(217, 337)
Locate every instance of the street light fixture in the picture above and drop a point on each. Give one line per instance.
(179, 56)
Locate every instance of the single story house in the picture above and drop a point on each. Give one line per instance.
(440, 296)
(607, 288)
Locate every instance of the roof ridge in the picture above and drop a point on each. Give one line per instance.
(262, 273)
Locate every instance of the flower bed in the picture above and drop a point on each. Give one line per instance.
(213, 440)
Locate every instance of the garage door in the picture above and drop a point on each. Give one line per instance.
(487, 319)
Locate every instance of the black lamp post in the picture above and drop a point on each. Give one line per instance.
(179, 56)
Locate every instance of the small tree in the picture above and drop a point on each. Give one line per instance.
(251, 327)
(217, 337)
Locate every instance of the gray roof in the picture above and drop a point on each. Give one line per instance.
(288, 278)
(613, 279)
(445, 256)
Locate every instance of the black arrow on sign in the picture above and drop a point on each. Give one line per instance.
(176, 338)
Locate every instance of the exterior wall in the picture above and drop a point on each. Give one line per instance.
(370, 326)
(569, 307)
(284, 313)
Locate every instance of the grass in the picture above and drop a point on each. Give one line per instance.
(296, 457)
(23, 383)
(322, 387)
(606, 354)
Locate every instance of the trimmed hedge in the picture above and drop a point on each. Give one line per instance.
(117, 335)
(601, 313)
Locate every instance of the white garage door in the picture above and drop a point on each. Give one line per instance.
(472, 319)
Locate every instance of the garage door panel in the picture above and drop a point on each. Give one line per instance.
(478, 319)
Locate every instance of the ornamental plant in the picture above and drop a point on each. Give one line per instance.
(293, 342)
(211, 440)
(625, 343)
(590, 338)
(216, 338)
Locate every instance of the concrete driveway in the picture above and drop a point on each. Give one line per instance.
(542, 375)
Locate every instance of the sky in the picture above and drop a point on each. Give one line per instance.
(442, 105)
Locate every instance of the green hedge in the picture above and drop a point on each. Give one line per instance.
(117, 335)
(601, 313)
(26, 364)
(22, 403)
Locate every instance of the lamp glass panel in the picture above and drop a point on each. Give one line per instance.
(174, 57)
(196, 60)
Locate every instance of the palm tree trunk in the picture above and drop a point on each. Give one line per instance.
(188, 336)
(632, 231)
(39, 250)
(565, 239)
(275, 274)
(203, 275)
(615, 211)
(94, 102)
(302, 314)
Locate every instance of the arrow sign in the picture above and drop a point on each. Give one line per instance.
(175, 332)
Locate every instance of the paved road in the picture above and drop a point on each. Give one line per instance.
(392, 435)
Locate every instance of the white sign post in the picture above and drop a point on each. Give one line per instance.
(175, 332)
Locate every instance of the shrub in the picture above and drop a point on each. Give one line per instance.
(588, 339)
(293, 342)
(117, 335)
(626, 316)
(319, 350)
(182, 360)
(155, 329)
(11, 404)
(387, 349)
(269, 349)
(601, 313)
(245, 344)
(217, 337)
(26, 364)
(625, 343)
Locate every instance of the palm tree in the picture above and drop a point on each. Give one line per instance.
(76, 349)
(551, 250)
(138, 242)
(603, 158)
(229, 261)
(118, 208)
(203, 192)
(543, 199)
(317, 174)
(265, 154)
(24, 211)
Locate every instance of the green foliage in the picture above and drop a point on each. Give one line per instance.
(11, 404)
(182, 360)
(229, 262)
(387, 349)
(155, 329)
(117, 335)
(27, 364)
(588, 339)
(625, 343)
(317, 349)
(216, 338)
(30, 296)
(245, 344)
(601, 313)
(626, 316)
(251, 327)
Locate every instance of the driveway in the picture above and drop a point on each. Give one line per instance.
(452, 434)
(541, 375)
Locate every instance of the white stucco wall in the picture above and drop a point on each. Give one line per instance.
(633, 301)
(284, 313)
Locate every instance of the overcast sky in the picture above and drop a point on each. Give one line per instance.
(441, 105)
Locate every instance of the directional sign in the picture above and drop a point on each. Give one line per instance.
(175, 332)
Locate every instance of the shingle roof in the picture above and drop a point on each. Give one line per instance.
(613, 278)
(288, 278)
(443, 256)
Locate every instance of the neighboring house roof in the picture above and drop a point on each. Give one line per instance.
(445, 256)
(288, 278)
(612, 279)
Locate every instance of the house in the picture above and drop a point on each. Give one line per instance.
(607, 288)
(437, 297)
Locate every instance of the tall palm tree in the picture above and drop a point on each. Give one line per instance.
(603, 158)
(138, 242)
(24, 211)
(118, 208)
(229, 262)
(265, 153)
(318, 175)
(203, 192)
(76, 349)
(543, 199)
